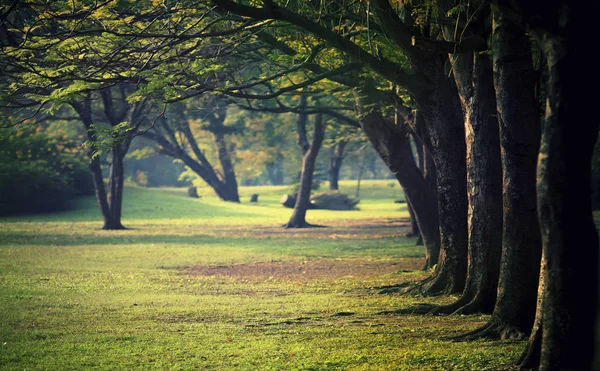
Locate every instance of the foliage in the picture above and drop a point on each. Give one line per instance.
(40, 172)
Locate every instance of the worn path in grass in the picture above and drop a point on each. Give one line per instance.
(322, 269)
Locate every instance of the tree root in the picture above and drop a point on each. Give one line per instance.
(431, 286)
(302, 225)
(424, 308)
(494, 330)
(399, 288)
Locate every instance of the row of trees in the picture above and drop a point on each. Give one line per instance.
(487, 90)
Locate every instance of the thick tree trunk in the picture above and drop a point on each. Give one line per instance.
(569, 236)
(484, 184)
(298, 218)
(336, 156)
(393, 146)
(514, 311)
(441, 112)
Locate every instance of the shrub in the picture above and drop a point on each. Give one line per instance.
(39, 173)
(334, 200)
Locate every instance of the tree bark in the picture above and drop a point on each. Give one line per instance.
(116, 181)
(474, 76)
(518, 118)
(336, 156)
(229, 180)
(441, 113)
(298, 218)
(84, 110)
(569, 236)
(393, 146)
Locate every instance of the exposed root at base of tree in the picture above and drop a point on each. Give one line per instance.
(431, 286)
(494, 330)
(530, 358)
(461, 306)
(392, 289)
(302, 225)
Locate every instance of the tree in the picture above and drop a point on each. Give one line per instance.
(124, 120)
(176, 138)
(564, 334)
(309, 157)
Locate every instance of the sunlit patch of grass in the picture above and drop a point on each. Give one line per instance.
(76, 297)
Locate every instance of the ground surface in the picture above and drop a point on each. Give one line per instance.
(207, 285)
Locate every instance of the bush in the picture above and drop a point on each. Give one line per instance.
(40, 173)
(334, 200)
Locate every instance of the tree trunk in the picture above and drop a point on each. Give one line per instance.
(359, 177)
(393, 146)
(441, 113)
(414, 226)
(229, 181)
(336, 156)
(484, 184)
(275, 170)
(569, 236)
(84, 110)
(514, 311)
(116, 180)
(298, 218)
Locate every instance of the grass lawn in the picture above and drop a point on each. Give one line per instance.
(200, 284)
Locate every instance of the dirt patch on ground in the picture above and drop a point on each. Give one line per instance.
(329, 269)
(342, 229)
(321, 269)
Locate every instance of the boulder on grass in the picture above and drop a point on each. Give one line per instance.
(334, 200)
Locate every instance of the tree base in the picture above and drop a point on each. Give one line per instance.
(301, 225)
(463, 306)
(493, 330)
(118, 227)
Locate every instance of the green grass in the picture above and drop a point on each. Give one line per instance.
(76, 297)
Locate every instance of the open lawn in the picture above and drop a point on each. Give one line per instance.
(199, 284)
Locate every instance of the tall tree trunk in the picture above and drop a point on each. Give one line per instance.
(442, 115)
(84, 110)
(519, 122)
(569, 236)
(393, 146)
(116, 181)
(298, 218)
(336, 156)
(484, 184)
